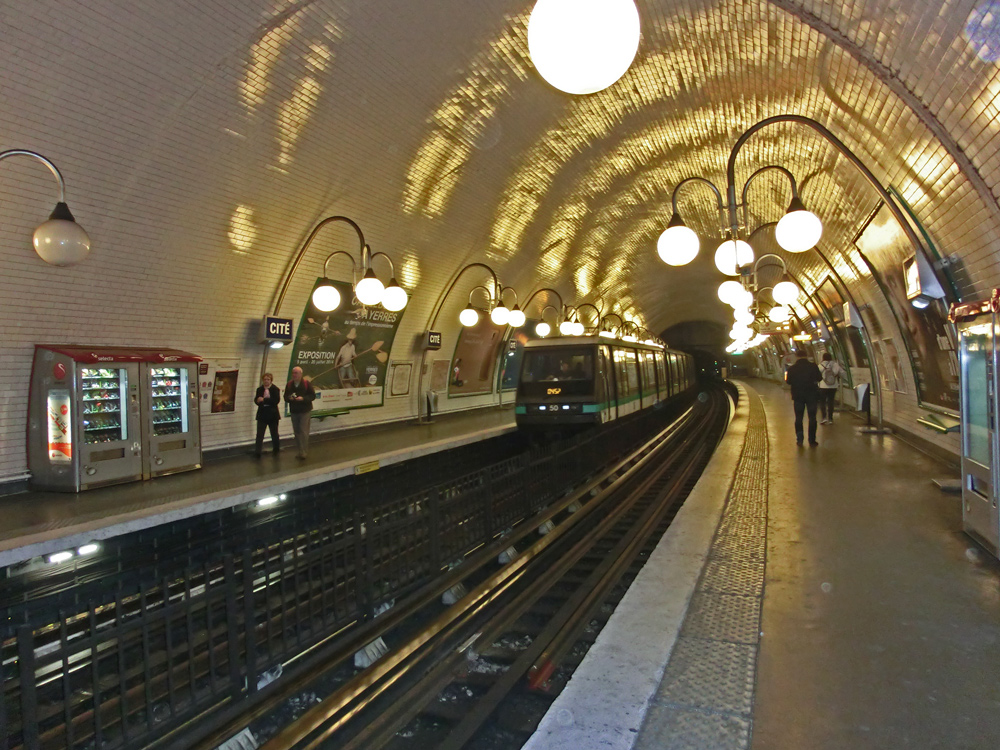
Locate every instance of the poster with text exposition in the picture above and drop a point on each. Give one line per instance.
(344, 352)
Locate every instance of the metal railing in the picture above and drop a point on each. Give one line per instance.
(127, 668)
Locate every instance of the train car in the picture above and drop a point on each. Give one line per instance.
(576, 381)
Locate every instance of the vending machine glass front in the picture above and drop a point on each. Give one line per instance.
(104, 392)
(169, 400)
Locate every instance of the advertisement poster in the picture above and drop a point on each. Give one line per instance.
(475, 356)
(829, 295)
(344, 353)
(218, 378)
(510, 363)
(927, 336)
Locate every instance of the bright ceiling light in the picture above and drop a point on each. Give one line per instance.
(741, 299)
(629, 337)
(731, 255)
(799, 229)
(394, 298)
(500, 315)
(543, 329)
(678, 245)
(728, 290)
(606, 334)
(566, 328)
(325, 297)
(469, 316)
(369, 290)
(785, 292)
(88, 549)
(743, 316)
(578, 329)
(58, 557)
(583, 46)
(779, 314)
(517, 317)
(277, 344)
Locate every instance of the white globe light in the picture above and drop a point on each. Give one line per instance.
(566, 328)
(543, 329)
(468, 317)
(578, 329)
(517, 318)
(583, 46)
(326, 298)
(369, 290)
(728, 291)
(741, 299)
(744, 317)
(678, 245)
(500, 315)
(733, 253)
(798, 231)
(60, 242)
(779, 314)
(394, 297)
(785, 292)
(740, 333)
(629, 337)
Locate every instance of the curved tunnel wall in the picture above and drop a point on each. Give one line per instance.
(201, 142)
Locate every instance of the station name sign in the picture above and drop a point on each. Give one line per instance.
(433, 340)
(278, 329)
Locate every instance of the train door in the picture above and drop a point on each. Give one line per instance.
(661, 378)
(609, 406)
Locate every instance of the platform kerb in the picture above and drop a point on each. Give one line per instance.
(44, 540)
(604, 703)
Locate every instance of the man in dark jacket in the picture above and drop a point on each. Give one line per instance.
(299, 395)
(804, 379)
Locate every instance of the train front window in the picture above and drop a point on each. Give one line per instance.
(567, 369)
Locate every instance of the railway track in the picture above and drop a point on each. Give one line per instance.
(169, 661)
(481, 673)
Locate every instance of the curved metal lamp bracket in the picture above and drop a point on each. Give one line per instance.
(35, 155)
(754, 176)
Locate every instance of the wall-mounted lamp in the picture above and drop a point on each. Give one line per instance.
(470, 315)
(369, 290)
(543, 329)
(60, 241)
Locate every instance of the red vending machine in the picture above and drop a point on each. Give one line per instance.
(104, 416)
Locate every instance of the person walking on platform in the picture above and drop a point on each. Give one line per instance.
(830, 373)
(803, 377)
(299, 394)
(267, 398)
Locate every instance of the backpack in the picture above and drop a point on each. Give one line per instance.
(829, 376)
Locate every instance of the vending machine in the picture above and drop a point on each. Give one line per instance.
(104, 416)
(978, 330)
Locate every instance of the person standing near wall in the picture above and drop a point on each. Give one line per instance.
(300, 395)
(267, 398)
(803, 377)
(830, 373)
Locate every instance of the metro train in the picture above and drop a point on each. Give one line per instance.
(586, 380)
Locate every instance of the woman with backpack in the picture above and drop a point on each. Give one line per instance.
(830, 374)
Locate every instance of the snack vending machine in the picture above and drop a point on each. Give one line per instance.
(978, 334)
(105, 416)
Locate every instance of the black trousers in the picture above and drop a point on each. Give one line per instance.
(807, 405)
(261, 426)
(827, 396)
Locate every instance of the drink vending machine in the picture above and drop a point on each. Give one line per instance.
(978, 327)
(103, 416)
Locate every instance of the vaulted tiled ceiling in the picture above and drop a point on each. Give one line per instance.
(240, 124)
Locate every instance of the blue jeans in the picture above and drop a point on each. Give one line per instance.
(807, 404)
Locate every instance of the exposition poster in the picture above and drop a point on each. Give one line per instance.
(927, 335)
(475, 357)
(344, 353)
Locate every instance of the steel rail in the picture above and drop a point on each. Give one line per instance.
(317, 725)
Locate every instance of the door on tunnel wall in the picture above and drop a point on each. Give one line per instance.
(977, 361)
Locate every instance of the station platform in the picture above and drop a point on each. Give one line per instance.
(39, 523)
(822, 598)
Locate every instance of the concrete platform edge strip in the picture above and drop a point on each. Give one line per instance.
(53, 540)
(606, 700)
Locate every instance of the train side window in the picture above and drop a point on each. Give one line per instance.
(621, 375)
(675, 377)
(661, 374)
(632, 370)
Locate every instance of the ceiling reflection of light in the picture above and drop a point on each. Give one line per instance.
(242, 231)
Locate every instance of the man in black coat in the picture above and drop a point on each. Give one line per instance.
(300, 395)
(804, 379)
(267, 398)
